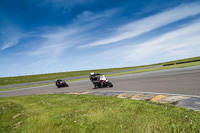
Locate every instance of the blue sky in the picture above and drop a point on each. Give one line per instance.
(46, 36)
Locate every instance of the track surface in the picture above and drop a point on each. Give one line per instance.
(184, 81)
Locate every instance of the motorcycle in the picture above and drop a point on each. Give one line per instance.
(61, 83)
(99, 80)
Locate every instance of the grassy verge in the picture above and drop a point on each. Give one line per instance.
(122, 73)
(24, 87)
(158, 68)
(88, 113)
(182, 60)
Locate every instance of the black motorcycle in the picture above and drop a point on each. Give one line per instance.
(61, 83)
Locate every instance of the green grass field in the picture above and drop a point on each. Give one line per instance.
(51, 113)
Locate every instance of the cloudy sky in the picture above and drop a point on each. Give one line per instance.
(45, 36)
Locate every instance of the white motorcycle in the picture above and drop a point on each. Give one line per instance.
(100, 80)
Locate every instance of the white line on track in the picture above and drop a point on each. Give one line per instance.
(26, 88)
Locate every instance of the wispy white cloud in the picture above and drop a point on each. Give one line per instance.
(10, 36)
(57, 40)
(150, 23)
(181, 43)
(88, 16)
(51, 46)
(177, 44)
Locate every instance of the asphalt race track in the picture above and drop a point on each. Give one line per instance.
(183, 81)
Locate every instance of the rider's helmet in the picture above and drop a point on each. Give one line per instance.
(92, 73)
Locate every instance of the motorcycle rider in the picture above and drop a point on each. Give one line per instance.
(58, 81)
(93, 78)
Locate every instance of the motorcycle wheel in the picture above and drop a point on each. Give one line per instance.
(67, 85)
(58, 86)
(95, 85)
(109, 84)
(99, 85)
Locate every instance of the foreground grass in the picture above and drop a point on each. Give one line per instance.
(88, 113)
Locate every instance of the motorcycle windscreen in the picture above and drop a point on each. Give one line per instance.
(102, 77)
